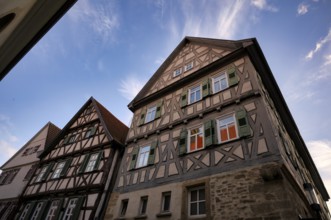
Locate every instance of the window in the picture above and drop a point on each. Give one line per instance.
(177, 72)
(194, 94)
(53, 210)
(25, 212)
(30, 172)
(41, 174)
(188, 66)
(37, 210)
(90, 132)
(143, 205)
(72, 139)
(90, 162)
(58, 170)
(7, 177)
(220, 83)
(73, 208)
(143, 156)
(166, 197)
(197, 201)
(150, 115)
(124, 207)
(227, 129)
(30, 150)
(195, 139)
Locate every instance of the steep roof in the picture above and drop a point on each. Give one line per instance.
(231, 45)
(114, 128)
(52, 132)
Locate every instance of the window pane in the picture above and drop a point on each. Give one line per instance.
(202, 208)
(200, 142)
(194, 209)
(224, 135)
(166, 203)
(202, 194)
(232, 131)
(194, 195)
(193, 144)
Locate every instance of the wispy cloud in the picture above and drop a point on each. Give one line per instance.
(100, 16)
(130, 86)
(302, 9)
(319, 45)
(327, 60)
(7, 139)
(263, 5)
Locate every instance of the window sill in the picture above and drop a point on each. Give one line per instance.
(141, 217)
(163, 214)
(120, 218)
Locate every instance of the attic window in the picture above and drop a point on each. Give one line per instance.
(188, 66)
(177, 72)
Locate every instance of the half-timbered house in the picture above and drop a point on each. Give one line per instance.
(78, 170)
(212, 138)
(18, 170)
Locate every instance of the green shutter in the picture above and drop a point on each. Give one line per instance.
(96, 165)
(134, 157)
(209, 133)
(205, 88)
(66, 140)
(66, 167)
(151, 157)
(77, 209)
(183, 100)
(49, 169)
(182, 142)
(243, 126)
(142, 117)
(158, 109)
(84, 163)
(43, 211)
(232, 76)
(93, 129)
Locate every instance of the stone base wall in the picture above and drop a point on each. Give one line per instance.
(256, 193)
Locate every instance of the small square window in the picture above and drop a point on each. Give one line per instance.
(197, 201)
(72, 139)
(90, 132)
(42, 174)
(220, 83)
(124, 207)
(143, 205)
(188, 66)
(196, 140)
(227, 129)
(166, 197)
(143, 156)
(194, 94)
(177, 72)
(150, 115)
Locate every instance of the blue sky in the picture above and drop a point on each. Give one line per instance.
(109, 49)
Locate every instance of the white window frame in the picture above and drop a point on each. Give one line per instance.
(202, 132)
(42, 173)
(69, 212)
(194, 90)
(218, 78)
(188, 66)
(198, 201)
(52, 209)
(58, 169)
(91, 162)
(143, 156)
(177, 72)
(218, 121)
(150, 114)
